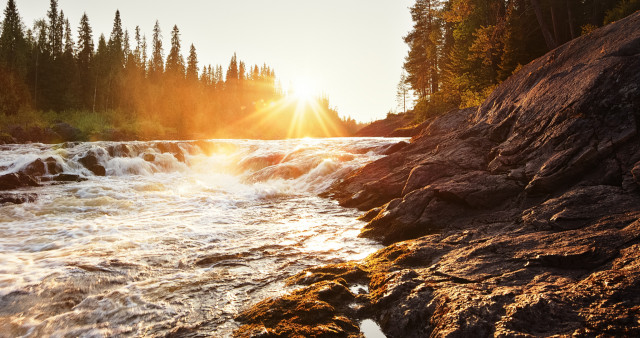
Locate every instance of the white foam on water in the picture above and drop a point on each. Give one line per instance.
(186, 238)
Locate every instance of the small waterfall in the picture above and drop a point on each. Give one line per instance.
(308, 164)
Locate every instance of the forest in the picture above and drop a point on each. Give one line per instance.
(460, 50)
(123, 87)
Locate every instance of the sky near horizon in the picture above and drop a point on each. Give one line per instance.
(352, 50)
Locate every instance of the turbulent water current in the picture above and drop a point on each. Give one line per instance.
(176, 238)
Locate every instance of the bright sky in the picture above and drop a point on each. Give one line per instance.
(352, 50)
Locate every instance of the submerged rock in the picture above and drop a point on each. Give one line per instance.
(68, 178)
(41, 167)
(171, 148)
(90, 161)
(517, 218)
(17, 180)
(13, 198)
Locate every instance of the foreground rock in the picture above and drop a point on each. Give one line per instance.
(518, 218)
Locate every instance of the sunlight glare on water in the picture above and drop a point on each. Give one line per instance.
(178, 237)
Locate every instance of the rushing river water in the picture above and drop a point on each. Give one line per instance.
(178, 237)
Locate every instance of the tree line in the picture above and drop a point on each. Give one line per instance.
(43, 68)
(460, 50)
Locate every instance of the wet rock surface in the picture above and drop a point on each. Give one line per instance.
(13, 198)
(517, 218)
(91, 162)
(17, 180)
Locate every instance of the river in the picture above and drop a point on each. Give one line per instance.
(177, 238)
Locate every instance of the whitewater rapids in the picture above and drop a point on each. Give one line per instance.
(177, 238)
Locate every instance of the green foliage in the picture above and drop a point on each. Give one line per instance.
(621, 10)
(12, 41)
(460, 50)
(434, 106)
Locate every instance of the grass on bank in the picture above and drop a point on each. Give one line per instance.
(93, 126)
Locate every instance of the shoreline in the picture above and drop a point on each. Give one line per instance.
(520, 217)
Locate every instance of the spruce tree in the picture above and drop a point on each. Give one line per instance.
(68, 70)
(12, 40)
(84, 60)
(68, 38)
(144, 59)
(101, 73)
(192, 64)
(219, 76)
(242, 71)
(59, 36)
(175, 61)
(137, 54)
(54, 42)
(157, 55)
(232, 70)
(126, 48)
(116, 42)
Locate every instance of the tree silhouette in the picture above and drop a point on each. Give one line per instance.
(12, 41)
(175, 61)
(84, 59)
(156, 68)
(192, 64)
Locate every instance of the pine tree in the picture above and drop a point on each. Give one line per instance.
(68, 38)
(402, 92)
(101, 74)
(39, 55)
(12, 40)
(242, 71)
(219, 76)
(54, 43)
(423, 61)
(85, 43)
(156, 67)
(192, 64)
(69, 89)
(84, 60)
(232, 70)
(137, 54)
(144, 61)
(175, 61)
(126, 49)
(59, 36)
(116, 41)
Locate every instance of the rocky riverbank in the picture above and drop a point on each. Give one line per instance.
(517, 218)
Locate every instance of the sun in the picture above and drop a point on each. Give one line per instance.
(303, 90)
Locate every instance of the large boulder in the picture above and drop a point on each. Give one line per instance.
(41, 167)
(517, 218)
(91, 162)
(17, 180)
(67, 132)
